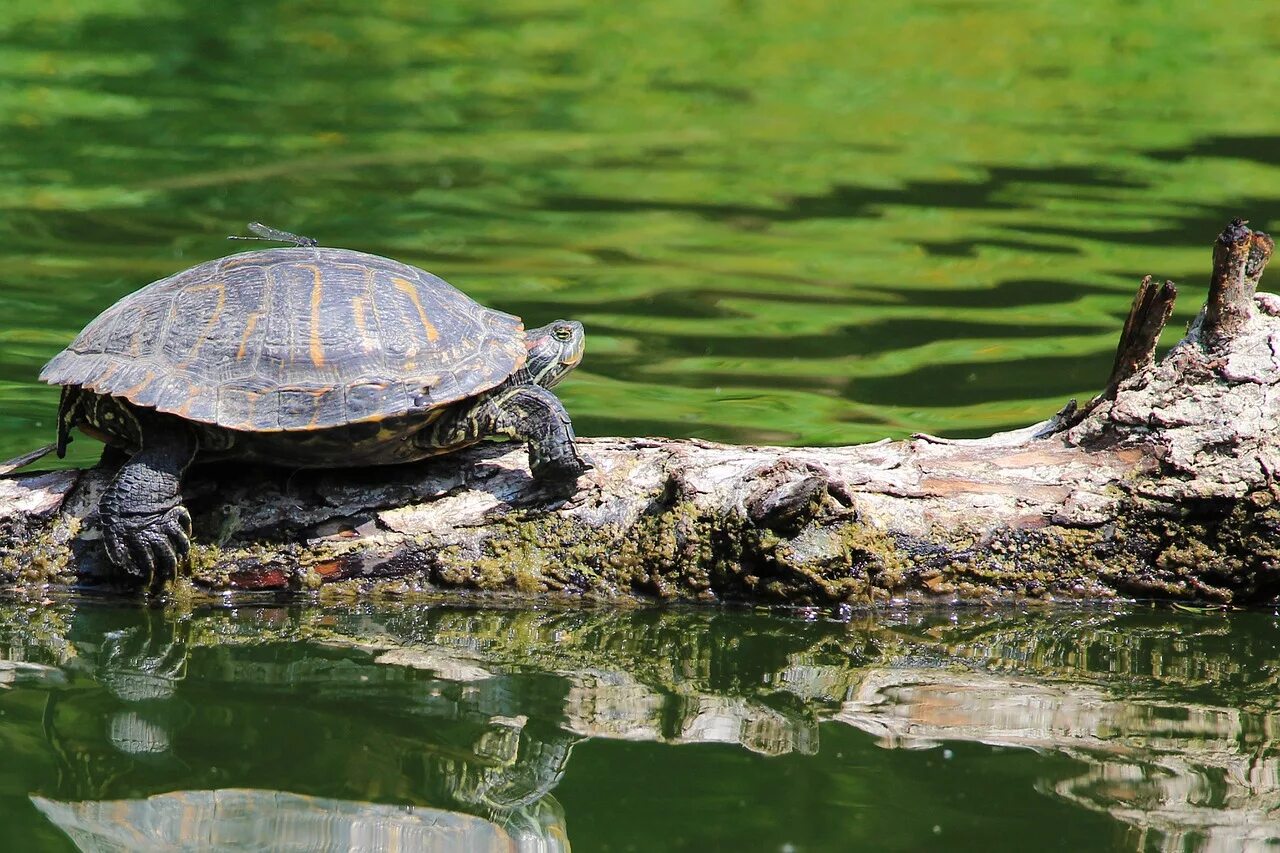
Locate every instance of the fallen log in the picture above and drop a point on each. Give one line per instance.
(1161, 486)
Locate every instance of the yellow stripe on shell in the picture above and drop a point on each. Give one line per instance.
(412, 292)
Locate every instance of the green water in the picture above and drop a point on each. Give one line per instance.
(810, 222)
(807, 222)
(652, 730)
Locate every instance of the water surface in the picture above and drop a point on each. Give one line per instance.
(814, 222)
(1127, 729)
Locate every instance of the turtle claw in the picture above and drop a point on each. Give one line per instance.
(562, 467)
(149, 548)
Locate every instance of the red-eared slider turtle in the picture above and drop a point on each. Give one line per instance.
(306, 357)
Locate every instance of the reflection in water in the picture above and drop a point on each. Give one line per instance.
(1184, 777)
(386, 722)
(1178, 805)
(273, 820)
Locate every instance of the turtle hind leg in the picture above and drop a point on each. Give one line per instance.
(526, 413)
(145, 527)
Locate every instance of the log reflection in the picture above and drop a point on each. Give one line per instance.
(400, 717)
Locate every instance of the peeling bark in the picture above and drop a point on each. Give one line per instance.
(1161, 486)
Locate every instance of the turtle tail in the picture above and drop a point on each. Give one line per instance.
(68, 415)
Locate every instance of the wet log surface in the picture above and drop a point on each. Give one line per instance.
(1161, 486)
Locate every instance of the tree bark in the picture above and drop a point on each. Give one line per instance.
(1161, 486)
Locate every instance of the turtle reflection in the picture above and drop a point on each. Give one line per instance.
(149, 709)
(139, 659)
(266, 820)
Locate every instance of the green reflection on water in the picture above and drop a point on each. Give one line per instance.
(652, 730)
(814, 222)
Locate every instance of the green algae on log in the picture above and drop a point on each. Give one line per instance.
(1162, 486)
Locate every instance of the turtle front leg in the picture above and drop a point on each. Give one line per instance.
(534, 415)
(145, 527)
(527, 413)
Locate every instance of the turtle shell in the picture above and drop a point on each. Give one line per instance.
(293, 339)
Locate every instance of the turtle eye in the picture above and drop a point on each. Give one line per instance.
(562, 333)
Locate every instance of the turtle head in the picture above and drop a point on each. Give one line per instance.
(554, 350)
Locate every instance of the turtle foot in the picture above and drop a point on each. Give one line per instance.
(562, 467)
(149, 548)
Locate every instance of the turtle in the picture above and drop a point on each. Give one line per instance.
(302, 356)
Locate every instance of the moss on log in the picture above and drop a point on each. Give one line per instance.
(1162, 486)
